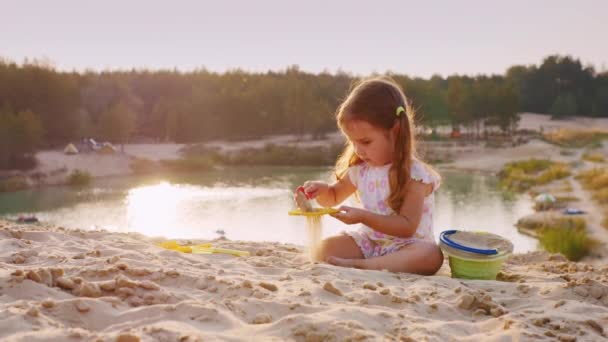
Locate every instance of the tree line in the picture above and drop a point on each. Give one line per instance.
(43, 107)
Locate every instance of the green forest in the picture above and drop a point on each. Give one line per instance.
(42, 107)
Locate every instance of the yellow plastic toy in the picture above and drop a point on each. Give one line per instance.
(216, 250)
(304, 207)
(314, 212)
(203, 248)
(174, 246)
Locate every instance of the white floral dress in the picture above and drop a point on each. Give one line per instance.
(373, 190)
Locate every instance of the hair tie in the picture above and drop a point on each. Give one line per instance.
(400, 110)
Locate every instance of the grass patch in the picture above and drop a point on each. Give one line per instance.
(594, 179)
(529, 166)
(575, 138)
(79, 178)
(522, 175)
(14, 183)
(566, 199)
(573, 243)
(594, 157)
(271, 154)
(555, 171)
(601, 196)
(540, 223)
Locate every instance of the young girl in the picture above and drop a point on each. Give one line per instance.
(395, 188)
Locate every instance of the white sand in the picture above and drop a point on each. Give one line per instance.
(479, 158)
(314, 230)
(78, 285)
(58, 165)
(532, 121)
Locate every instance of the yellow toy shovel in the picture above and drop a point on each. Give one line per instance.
(305, 208)
(215, 250)
(203, 248)
(174, 246)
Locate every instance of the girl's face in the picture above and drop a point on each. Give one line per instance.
(374, 145)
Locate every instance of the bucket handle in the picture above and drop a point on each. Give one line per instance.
(443, 237)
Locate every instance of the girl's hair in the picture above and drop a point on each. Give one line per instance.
(376, 101)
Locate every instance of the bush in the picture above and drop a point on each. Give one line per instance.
(79, 178)
(271, 154)
(530, 166)
(573, 243)
(594, 157)
(522, 175)
(575, 138)
(555, 171)
(535, 224)
(594, 179)
(14, 183)
(601, 196)
(563, 105)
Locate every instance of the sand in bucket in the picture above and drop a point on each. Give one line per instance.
(474, 255)
(482, 240)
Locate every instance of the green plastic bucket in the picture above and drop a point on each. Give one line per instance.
(475, 255)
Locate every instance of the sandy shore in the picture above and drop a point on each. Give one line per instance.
(466, 156)
(536, 122)
(95, 285)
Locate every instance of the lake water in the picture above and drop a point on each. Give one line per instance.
(248, 203)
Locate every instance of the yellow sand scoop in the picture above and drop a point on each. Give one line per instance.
(305, 208)
(203, 248)
(313, 212)
(216, 250)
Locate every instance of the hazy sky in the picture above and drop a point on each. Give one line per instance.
(414, 37)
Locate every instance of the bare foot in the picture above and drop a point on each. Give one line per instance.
(344, 262)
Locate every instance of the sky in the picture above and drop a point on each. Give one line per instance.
(418, 38)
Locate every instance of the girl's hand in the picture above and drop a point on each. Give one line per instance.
(314, 189)
(349, 215)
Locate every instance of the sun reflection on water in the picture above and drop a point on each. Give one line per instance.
(154, 210)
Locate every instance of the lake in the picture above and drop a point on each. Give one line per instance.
(249, 203)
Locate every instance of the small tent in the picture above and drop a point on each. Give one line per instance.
(70, 149)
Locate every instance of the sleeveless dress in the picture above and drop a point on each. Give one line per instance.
(373, 189)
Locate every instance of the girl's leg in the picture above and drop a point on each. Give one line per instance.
(420, 257)
(340, 246)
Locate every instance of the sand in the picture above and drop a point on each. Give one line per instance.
(314, 231)
(57, 284)
(536, 122)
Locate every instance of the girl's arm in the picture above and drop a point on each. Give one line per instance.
(330, 195)
(402, 225)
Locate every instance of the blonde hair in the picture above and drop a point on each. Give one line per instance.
(376, 100)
